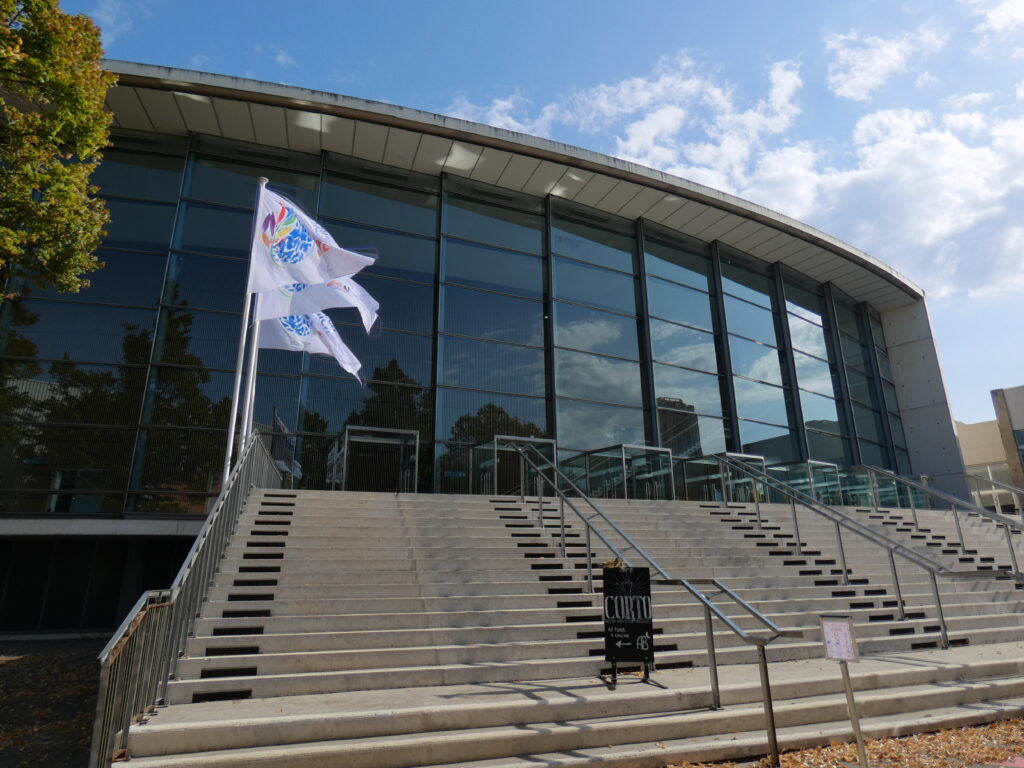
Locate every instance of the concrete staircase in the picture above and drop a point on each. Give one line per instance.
(394, 631)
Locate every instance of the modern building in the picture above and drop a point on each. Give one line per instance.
(994, 450)
(527, 287)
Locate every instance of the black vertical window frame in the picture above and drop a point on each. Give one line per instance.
(836, 355)
(722, 348)
(644, 339)
(439, 222)
(876, 374)
(789, 364)
(550, 411)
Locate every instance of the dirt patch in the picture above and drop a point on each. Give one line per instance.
(48, 702)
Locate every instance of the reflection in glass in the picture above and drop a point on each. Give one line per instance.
(222, 231)
(683, 346)
(807, 337)
(220, 181)
(179, 459)
(69, 393)
(491, 316)
(328, 405)
(585, 426)
(804, 303)
(214, 346)
(873, 455)
(824, 447)
(761, 402)
(594, 286)
(747, 284)
(861, 387)
(137, 174)
(855, 354)
(776, 444)
(820, 413)
(814, 374)
(380, 205)
(755, 361)
(188, 397)
(127, 278)
(57, 329)
(594, 331)
(588, 243)
(869, 423)
(206, 281)
(496, 367)
(592, 377)
(472, 417)
(689, 435)
(687, 390)
(678, 304)
(677, 265)
(847, 319)
(748, 320)
(482, 267)
(140, 226)
(62, 457)
(493, 224)
(402, 358)
(403, 306)
(404, 256)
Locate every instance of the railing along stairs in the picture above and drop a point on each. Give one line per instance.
(548, 475)
(994, 488)
(140, 658)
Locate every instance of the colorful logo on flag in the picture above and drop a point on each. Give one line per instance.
(296, 325)
(285, 236)
(293, 288)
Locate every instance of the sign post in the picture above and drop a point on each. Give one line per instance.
(628, 627)
(840, 644)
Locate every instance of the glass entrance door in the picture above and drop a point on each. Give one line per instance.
(375, 459)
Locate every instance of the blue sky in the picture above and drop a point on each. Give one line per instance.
(895, 126)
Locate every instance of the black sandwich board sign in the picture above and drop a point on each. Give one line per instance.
(628, 627)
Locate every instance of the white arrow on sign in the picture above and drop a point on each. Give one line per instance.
(620, 644)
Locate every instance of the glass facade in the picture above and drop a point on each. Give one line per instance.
(500, 314)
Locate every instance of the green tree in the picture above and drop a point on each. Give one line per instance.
(54, 123)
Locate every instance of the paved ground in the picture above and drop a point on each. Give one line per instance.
(47, 702)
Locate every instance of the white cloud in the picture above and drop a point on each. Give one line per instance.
(925, 80)
(864, 64)
(965, 122)
(967, 100)
(199, 61)
(511, 113)
(1019, 91)
(114, 19)
(283, 58)
(1001, 17)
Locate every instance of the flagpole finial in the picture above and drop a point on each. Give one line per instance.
(263, 181)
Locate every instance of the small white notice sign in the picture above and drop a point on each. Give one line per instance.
(837, 634)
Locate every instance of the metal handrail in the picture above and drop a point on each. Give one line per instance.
(710, 608)
(140, 657)
(955, 503)
(1013, 490)
(894, 547)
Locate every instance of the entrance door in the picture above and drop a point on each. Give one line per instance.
(379, 460)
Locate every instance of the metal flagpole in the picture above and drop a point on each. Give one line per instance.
(233, 420)
(250, 381)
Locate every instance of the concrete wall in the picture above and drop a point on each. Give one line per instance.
(924, 405)
(1009, 405)
(980, 443)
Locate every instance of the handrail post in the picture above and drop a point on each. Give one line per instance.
(943, 631)
(796, 526)
(561, 524)
(913, 508)
(590, 565)
(722, 467)
(716, 696)
(522, 479)
(540, 501)
(757, 504)
(1013, 553)
(896, 587)
(769, 710)
(842, 554)
(874, 491)
(959, 530)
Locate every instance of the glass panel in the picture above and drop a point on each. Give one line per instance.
(215, 346)
(678, 304)
(814, 374)
(869, 423)
(804, 303)
(829, 448)
(69, 393)
(761, 402)
(494, 224)
(486, 365)
(79, 458)
(873, 455)
(381, 205)
(274, 395)
(687, 390)
(179, 460)
(404, 256)
(776, 444)
(683, 346)
(747, 320)
(807, 337)
(594, 331)
(328, 405)
(877, 335)
(585, 426)
(678, 265)
(755, 361)
(896, 428)
(206, 281)
(222, 231)
(127, 278)
(493, 269)
(884, 366)
(903, 462)
(747, 284)
(856, 354)
(189, 397)
(58, 329)
(597, 378)
(140, 226)
(890, 396)
(690, 435)
(472, 417)
(820, 413)
(220, 181)
(594, 286)
(847, 320)
(401, 358)
(490, 316)
(861, 387)
(136, 174)
(403, 306)
(587, 243)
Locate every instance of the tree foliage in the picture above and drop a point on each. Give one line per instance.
(52, 126)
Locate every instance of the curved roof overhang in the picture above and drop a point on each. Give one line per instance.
(181, 102)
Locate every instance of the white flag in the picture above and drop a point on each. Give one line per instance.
(307, 298)
(313, 333)
(290, 247)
